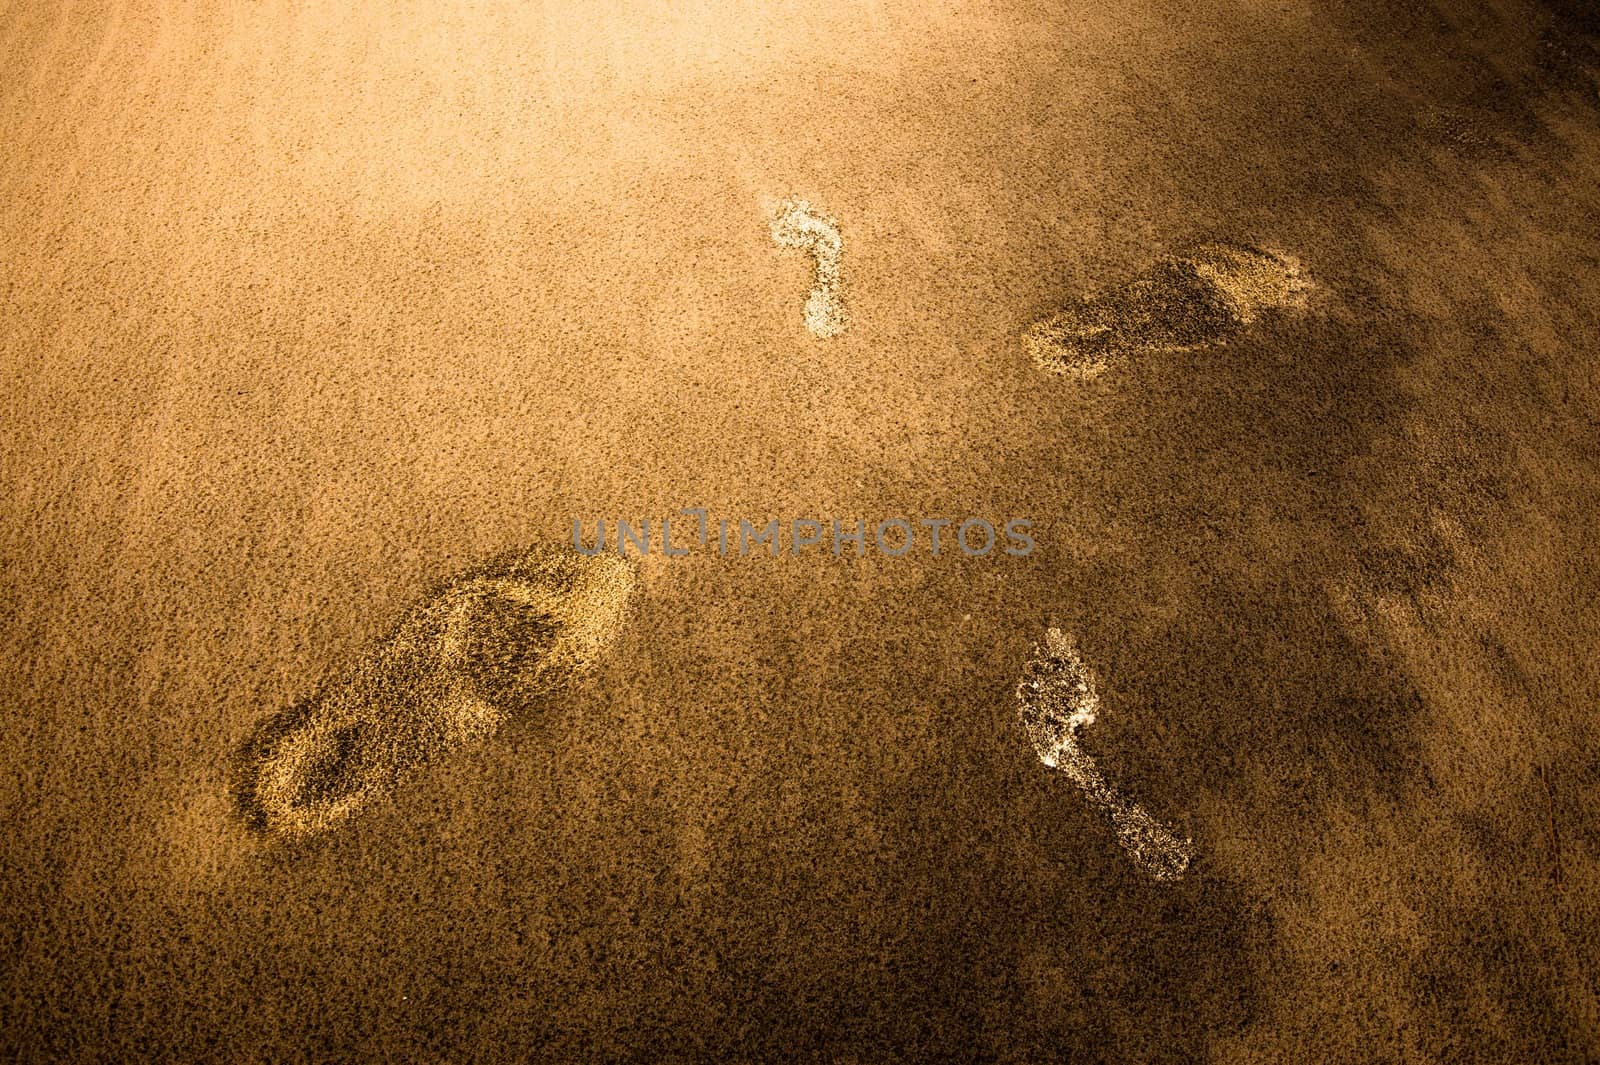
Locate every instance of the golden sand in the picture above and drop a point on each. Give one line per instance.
(1199, 297)
(457, 667)
(1056, 697)
(297, 300)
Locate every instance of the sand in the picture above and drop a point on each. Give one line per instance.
(307, 308)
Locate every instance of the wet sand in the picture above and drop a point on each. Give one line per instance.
(308, 308)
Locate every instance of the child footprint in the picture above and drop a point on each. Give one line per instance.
(1056, 698)
(456, 667)
(1202, 296)
(795, 224)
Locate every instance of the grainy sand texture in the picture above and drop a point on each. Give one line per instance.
(1275, 318)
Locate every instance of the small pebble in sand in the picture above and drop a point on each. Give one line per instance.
(1055, 698)
(1203, 296)
(796, 225)
(455, 668)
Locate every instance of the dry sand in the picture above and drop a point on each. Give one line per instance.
(307, 307)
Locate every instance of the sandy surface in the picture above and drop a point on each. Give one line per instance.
(307, 307)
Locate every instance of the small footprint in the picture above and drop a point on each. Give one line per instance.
(1200, 297)
(455, 668)
(796, 225)
(1055, 698)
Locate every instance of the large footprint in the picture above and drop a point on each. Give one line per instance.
(1055, 698)
(456, 667)
(1202, 296)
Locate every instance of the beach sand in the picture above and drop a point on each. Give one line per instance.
(310, 307)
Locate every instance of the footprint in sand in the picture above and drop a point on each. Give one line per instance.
(1199, 297)
(456, 667)
(796, 225)
(1055, 698)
